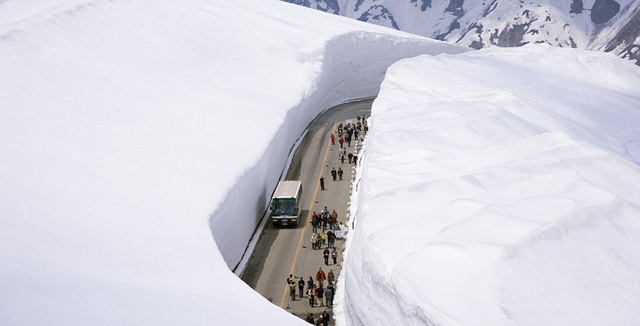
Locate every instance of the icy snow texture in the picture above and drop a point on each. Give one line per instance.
(134, 133)
(499, 187)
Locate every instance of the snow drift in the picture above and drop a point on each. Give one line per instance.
(499, 187)
(133, 131)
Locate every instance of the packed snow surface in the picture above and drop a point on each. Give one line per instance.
(140, 141)
(499, 187)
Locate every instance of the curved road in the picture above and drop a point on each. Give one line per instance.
(283, 251)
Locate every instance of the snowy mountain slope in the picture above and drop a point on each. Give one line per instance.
(139, 141)
(499, 187)
(601, 25)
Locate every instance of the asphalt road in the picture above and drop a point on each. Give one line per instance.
(281, 251)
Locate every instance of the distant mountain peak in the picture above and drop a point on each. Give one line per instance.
(608, 25)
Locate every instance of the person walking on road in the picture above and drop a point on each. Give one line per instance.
(321, 276)
(292, 290)
(301, 287)
(342, 158)
(331, 278)
(334, 256)
(333, 139)
(326, 254)
(311, 293)
(350, 157)
(334, 214)
(355, 160)
(310, 319)
(320, 295)
(328, 293)
(314, 222)
(341, 141)
(331, 239)
(291, 281)
(314, 241)
(334, 174)
(340, 173)
(322, 181)
(325, 317)
(310, 283)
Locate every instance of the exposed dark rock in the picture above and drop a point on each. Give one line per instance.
(425, 4)
(477, 29)
(576, 7)
(299, 2)
(512, 35)
(476, 45)
(378, 13)
(603, 10)
(455, 25)
(455, 7)
(490, 8)
(494, 37)
(626, 38)
(359, 2)
(330, 6)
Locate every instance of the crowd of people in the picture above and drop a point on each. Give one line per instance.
(346, 133)
(321, 289)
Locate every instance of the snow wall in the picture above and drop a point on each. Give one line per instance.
(499, 187)
(131, 131)
(353, 66)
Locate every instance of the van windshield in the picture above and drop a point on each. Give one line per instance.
(284, 206)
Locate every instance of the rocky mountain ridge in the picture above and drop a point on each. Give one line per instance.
(598, 25)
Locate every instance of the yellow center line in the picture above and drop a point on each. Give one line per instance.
(313, 200)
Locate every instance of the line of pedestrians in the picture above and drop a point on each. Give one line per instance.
(325, 229)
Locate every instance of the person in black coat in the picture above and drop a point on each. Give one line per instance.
(310, 319)
(326, 253)
(325, 317)
(301, 287)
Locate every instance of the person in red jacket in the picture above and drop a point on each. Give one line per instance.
(321, 276)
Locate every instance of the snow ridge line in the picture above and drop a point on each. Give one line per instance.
(14, 22)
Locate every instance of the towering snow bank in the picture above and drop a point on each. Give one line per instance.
(131, 131)
(500, 187)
